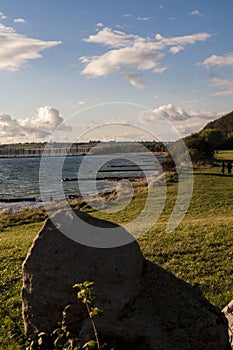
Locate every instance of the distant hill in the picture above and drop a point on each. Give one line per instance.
(216, 135)
(223, 124)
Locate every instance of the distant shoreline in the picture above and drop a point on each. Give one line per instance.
(41, 156)
(157, 154)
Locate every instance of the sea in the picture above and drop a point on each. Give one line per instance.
(25, 178)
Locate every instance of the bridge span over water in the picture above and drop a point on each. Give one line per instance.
(16, 152)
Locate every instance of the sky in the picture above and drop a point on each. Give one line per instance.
(70, 69)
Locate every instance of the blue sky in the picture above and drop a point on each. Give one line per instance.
(174, 57)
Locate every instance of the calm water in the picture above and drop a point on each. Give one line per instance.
(19, 177)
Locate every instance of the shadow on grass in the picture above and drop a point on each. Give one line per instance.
(214, 174)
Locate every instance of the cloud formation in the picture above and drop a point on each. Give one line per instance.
(37, 128)
(17, 49)
(143, 18)
(195, 13)
(82, 102)
(99, 24)
(185, 122)
(176, 49)
(130, 51)
(127, 15)
(19, 20)
(118, 60)
(160, 70)
(135, 80)
(221, 61)
(112, 38)
(2, 16)
(225, 84)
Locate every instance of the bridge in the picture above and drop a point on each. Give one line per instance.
(27, 152)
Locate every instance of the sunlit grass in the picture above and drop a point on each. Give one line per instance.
(14, 244)
(224, 155)
(198, 251)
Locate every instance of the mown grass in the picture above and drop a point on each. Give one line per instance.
(224, 155)
(14, 244)
(198, 251)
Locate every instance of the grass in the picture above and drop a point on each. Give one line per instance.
(14, 244)
(224, 155)
(198, 251)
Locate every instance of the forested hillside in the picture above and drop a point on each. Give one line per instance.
(223, 124)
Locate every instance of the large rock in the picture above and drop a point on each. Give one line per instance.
(145, 307)
(228, 312)
(55, 263)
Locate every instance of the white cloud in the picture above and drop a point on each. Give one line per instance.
(193, 101)
(127, 15)
(119, 26)
(214, 60)
(158, 36)
(82, 102)
(17, 49)
(132, 51)
(109, 37)
(143, 18)
(160, 70)
(135, 80)
(19, 20)
(169, 112)
(223, 93)
(100, 25)
(220, 62)
(117, 60)
(176, 49)
(194, 125)
(118, 39)
(222, 82)
(47, 119)
(37, 128)
(225, 84)
(183, 40)
(10, 129)
(2, 16)
(195, 13)
(185, 122)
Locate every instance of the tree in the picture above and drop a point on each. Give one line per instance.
(214, 137)
(199, 148)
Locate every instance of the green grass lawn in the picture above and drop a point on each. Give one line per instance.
(198, 251)
(224, 155)
(14, 244)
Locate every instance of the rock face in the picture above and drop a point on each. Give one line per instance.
(228, 312)
(55, 263)
(145, 307)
